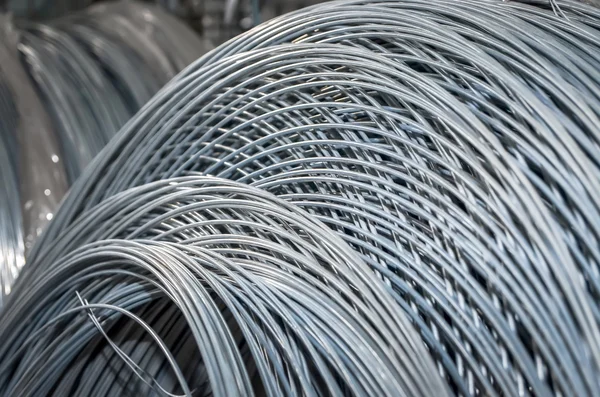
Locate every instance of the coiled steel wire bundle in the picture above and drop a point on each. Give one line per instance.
(451, 147)
(11, 240)
(33, 180)
(264, 290)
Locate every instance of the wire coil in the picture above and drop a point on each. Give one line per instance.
(453, 146)
(295, 298)
(11, 240)
(95, 69)
(28, 167)
(68, 87)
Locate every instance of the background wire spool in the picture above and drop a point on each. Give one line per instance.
(32, 174)
(249, 294)
(165, 43)
(11, 234)
(73, 83)
(96, 69)
(86, 106)
(454, 146)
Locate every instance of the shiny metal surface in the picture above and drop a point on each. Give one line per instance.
(451, 147)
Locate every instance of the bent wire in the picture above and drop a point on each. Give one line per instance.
(452, 147)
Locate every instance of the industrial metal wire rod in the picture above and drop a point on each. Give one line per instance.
(453, 147)
(265, 297)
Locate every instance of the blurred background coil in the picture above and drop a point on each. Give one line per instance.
(95, 69)
(453, 145)
(68, 86)
(34, 178)
(11, 234)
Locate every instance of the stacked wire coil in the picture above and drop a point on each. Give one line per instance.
(450, 147)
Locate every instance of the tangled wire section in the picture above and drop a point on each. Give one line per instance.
(451, 148)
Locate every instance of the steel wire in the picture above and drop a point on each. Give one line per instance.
(452, 145)
(263, 289)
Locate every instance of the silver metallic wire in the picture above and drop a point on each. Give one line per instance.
(262, 288)
(453, 146)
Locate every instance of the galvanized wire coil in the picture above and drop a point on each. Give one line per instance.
(29, 166)
(11, 236)
(453, 146)
(87, 108)
(267, 298)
